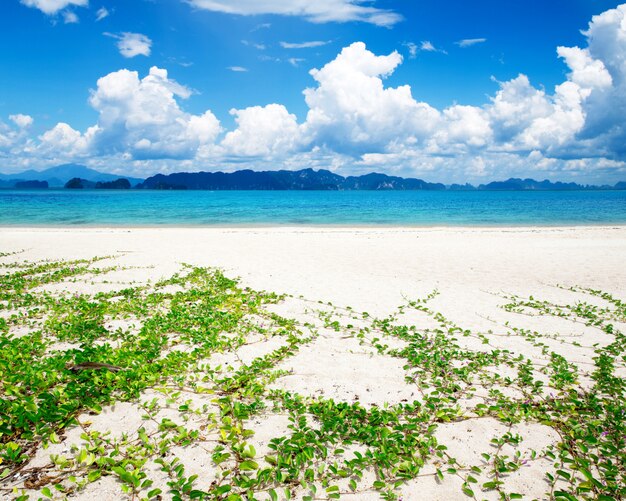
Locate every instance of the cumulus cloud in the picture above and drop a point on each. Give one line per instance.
(7, 137)
(514, 108)
(142, 117)
(304, 45)
(262, 131)
(560, 126)
(51, 7)
(600, 69)
(237, 69)
(320, 11)
(62, 139)
(22, 121)
(350, 109)
(132, 44)
(585, 114)
(352, 112)
(355, 120)
(465, 126)
(586, 72)
(15, 138)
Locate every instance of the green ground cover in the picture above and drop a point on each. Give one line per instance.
(187, 319)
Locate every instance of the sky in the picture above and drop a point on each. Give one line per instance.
(444, 90)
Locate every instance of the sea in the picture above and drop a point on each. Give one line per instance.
(117, 208)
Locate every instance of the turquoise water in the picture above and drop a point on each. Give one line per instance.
(393, 208)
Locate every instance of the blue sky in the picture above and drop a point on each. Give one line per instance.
(255, 56)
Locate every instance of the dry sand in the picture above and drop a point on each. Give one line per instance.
(373, 270)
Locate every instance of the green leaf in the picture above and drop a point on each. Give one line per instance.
(222, 489)
(468, 492)
(248, 465)
(564, 495)
(564, 474)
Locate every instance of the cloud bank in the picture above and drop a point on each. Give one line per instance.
(356, 123)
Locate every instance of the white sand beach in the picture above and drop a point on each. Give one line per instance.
(373, 270)
(368, 269)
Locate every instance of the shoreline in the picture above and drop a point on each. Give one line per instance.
(313, 227)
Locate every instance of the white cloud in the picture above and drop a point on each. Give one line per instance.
(468, 42)
(62, 140)
(584, 116)
(7, 137)
(515, 106)
(426, 46)
(351, 110)
(132, 44)
(142, 117)
(355, 122)
(51, 7)
(320, 11)
(586, 72)
(22, 121)
(102, 13)
(560, 126)
(262, 131)
(237, 69)
(5, 142)
(304, 45)
(592, 102)
(70, 17)
(464, 125)
(413, 49)
(604, 131)
(262, 26)
(295, 61)
(258, 46)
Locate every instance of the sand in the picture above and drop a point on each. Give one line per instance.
(372, 270)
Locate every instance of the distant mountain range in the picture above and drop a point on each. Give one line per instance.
(306, 179)
(56, 177)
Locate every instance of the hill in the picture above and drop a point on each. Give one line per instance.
(56, 177)
(516, 184)
(306, 179)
